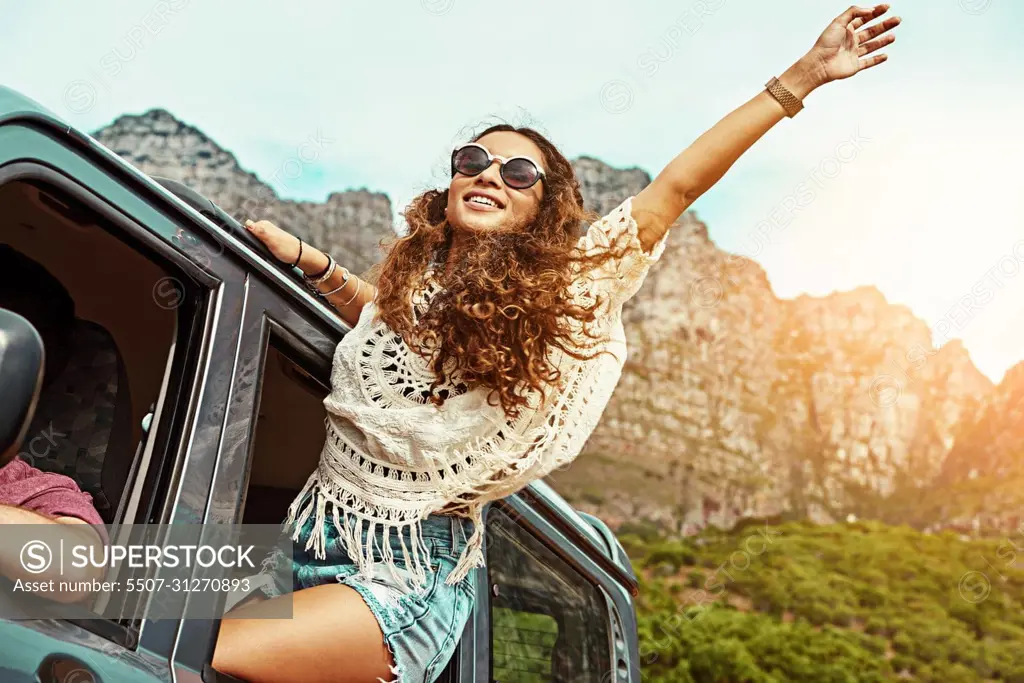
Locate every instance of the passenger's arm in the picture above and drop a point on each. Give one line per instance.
(53, 532)
(347, 301)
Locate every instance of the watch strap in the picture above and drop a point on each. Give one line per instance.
(790, 102)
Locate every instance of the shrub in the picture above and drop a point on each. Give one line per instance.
(842, 616)
(725, 660)
(875, 625)
(817, 613)
(902, 662)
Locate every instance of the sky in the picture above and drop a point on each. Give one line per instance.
(904, 177)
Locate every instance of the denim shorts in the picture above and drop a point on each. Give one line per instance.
(421, 626)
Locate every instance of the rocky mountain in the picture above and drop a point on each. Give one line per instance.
(733, 402)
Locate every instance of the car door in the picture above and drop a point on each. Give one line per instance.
(164, 325)
(275, 416)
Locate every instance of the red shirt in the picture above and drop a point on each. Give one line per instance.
(47, 493)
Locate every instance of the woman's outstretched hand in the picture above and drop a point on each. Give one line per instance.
(848, 46)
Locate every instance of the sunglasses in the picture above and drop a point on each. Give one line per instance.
(518, 173)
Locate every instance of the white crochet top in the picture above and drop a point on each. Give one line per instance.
(392, 458)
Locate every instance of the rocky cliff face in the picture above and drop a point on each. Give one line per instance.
(982, 478)
(733, 402)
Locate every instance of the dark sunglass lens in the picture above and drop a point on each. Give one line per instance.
(470, 160)
(520, 173)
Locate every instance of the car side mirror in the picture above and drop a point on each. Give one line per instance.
(21, 376)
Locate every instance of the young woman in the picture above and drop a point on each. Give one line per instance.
(482, 360)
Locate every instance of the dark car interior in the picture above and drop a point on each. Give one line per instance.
(107, 340)
(289, 438)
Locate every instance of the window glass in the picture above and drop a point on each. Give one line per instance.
(548, 622)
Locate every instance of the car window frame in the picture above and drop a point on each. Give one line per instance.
(544, 526)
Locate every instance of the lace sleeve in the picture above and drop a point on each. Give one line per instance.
(620, 277)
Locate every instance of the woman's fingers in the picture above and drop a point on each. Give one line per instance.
(262, 229)
(868, 48)
(861, 14)
(873, 61)
(878, 29)
(284, 246)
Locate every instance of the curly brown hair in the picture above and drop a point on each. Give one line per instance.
(507, 304)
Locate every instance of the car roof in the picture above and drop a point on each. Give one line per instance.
(202, 211)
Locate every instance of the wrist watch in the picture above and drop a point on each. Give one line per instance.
(790, 102)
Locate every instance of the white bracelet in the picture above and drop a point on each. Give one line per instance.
(345, 277)
(359, 283)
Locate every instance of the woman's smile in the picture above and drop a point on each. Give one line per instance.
(482, 201)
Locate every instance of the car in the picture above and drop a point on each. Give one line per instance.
(209, 362)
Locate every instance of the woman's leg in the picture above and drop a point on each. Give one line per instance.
(332, 637)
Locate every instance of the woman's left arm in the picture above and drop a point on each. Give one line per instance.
(840, 52)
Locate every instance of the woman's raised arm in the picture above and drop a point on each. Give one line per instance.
(344, 291)
(841, 51)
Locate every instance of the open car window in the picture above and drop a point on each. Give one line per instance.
(120, 333)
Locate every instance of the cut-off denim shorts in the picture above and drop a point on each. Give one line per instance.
(421, 627)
